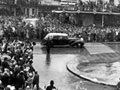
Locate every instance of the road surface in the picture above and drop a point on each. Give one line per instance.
(53, 67)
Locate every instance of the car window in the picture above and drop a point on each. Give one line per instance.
(60, 37)
(56, 37)
(64, 37)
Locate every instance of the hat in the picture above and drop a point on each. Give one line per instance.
(12, 59)
(12, 88)
(27, 47)
(27, 69)
(21, 72)
(51, 82)
(6, 69)
(26, 53)
(28, 57)
(30, 74)
(9, 86)
(28, 87)
(21, 58)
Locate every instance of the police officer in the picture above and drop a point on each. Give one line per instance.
(49, 43)
(51, 86)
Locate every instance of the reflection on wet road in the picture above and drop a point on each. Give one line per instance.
(53, 67)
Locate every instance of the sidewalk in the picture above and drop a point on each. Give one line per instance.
(105, 73)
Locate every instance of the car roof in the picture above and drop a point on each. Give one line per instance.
(32, 21)
(55, 34)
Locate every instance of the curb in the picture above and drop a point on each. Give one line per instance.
(111, 42)
(85, 78)
(104, 42)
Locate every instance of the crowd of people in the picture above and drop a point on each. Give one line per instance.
(15, 28)
(16, 48)
(90, 33)
(16, 69)
(16, 54)
(96, 5)
(93, 5)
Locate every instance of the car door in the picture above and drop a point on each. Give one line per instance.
(55, 40)
(59, 40)
(63, 40)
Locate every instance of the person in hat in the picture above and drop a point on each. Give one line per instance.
(29, 81)
(36, 80)
(5, 64)
(5, 78)
(20, 80)
(7, 88)
(28, 88)
(51, 87)
(1, 86)
(48, 45)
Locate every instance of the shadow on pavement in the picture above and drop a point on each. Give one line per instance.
(65, 50)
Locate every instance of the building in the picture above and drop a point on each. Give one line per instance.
(19, 7)
(27, 7)
(5, 7)
(50, 2)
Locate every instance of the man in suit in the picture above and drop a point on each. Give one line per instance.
(36, 80)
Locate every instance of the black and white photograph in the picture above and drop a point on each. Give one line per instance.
(59, 44)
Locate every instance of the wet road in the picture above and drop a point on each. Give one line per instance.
(53, 67)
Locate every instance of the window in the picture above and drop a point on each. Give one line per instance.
(27, 11)
(33, 11)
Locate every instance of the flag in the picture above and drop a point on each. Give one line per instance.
(15, 1)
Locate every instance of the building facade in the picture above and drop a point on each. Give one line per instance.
(27, 7)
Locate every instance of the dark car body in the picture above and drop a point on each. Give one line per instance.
(61, 39)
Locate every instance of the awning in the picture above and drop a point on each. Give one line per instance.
(87, 12)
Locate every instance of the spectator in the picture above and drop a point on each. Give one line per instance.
(29, 81)
(36, 80)
(51, 87)
(118, 85)
(20, 80)
(1, 85)
(5, 78)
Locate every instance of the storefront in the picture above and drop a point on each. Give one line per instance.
(89, 18)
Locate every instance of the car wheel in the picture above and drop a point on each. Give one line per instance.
(78, 45)
(75, 45)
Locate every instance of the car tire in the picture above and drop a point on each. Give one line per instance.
(75, 45)
(79, 45)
